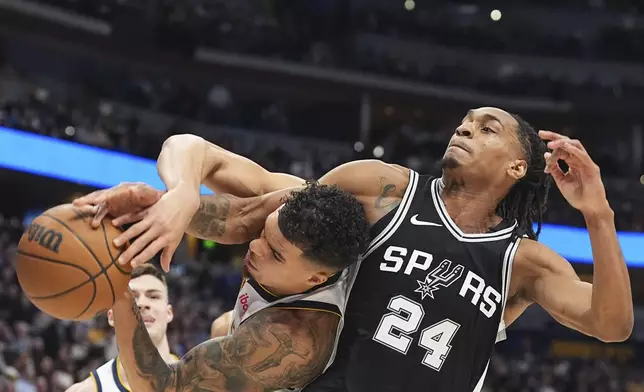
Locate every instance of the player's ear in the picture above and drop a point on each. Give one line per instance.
(517, 169)
(318, 278)
(110, 318)
(170, 313)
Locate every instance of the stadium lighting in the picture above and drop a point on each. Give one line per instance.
(495, 15)
(358, 146)
(378, 151)
(410, 5)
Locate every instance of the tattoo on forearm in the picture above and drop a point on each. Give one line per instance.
(210, 219)
(272, 350)
(148, 360)
(386, 200)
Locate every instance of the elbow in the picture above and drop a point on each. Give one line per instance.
(616, 330)
(182, 139)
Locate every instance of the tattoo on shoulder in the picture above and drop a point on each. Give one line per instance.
(386, 199)
(274, 349)
(210, 219)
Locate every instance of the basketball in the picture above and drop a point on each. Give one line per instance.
(67, 269)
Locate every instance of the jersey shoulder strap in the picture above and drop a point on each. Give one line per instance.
(253, 297)
(108, 379)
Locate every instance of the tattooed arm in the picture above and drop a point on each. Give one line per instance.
(378, 185)
(232, 220)
(274, 349)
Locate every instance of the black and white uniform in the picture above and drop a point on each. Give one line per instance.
(426, 302)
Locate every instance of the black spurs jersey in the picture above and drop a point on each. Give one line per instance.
(425, 303)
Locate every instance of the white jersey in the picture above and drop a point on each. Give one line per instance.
(327, 297)
(108, 378)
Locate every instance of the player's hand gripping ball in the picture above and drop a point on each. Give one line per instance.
(67, 269)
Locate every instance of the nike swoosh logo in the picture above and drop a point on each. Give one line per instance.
(414, 221)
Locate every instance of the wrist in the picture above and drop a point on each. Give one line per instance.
(602, 213)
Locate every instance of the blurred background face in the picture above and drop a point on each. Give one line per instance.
(151, 296)
(279, 265)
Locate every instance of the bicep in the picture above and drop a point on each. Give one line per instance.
(272, 349)
(567, 299)
(555, 286)
(367, 178)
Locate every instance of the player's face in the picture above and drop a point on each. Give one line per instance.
(152, 297)
(279, 265)
(486, 144)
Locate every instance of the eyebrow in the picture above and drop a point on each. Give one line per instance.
(488, 116)
(277, 254)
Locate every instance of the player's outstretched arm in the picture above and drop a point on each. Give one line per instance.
(605, 308)
(187, 161)
(274, 349)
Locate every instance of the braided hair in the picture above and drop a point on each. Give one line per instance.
(526, 201)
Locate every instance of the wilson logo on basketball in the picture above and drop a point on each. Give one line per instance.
(47, 238)
(243, 301)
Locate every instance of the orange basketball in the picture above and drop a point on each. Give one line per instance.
(67, 269)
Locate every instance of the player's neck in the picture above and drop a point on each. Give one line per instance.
(164, 349)
(472, 208)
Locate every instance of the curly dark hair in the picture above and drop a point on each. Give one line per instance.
(328, 224)
(526, 201)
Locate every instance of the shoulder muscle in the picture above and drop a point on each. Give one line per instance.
(220, 326)
(378, 185)
(87, 385)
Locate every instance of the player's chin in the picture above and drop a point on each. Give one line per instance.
(451, 160)
(152, 328)
(156, 333)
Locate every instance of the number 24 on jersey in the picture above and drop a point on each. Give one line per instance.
(405, 319)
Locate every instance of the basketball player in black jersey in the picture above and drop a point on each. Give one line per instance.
(453, 260)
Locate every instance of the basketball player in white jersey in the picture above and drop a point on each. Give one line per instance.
(150, 290)
(291, 299)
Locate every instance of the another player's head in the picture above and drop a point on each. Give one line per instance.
(314, 234)
(501, 150)
(150, 291)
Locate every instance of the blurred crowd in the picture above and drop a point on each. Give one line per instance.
(86, 118)
(328, 34)
(114, 109)
(41, 354)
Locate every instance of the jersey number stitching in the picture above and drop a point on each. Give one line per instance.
(405, 319)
